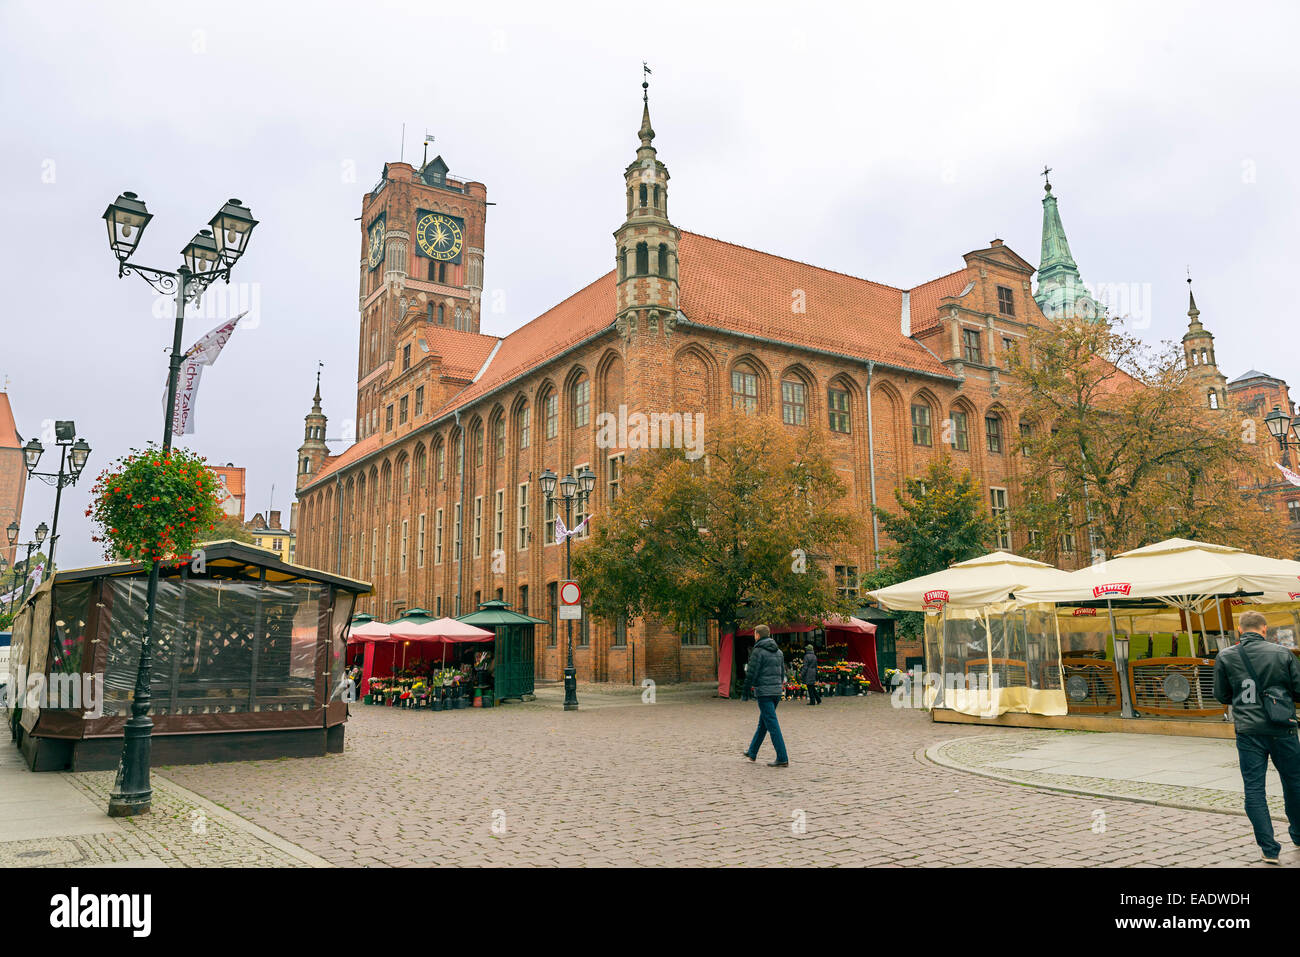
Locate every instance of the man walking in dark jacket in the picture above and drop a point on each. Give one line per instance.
(765, 675)
(1258, 737)
(809, 675)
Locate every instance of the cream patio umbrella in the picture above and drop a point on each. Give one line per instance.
(974, 583)
(970, 616)
(1178, 572)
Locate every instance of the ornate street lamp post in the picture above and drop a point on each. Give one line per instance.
(65, 476)
(1285, 429)
(210, 255)
(12, 533)
(572, 491)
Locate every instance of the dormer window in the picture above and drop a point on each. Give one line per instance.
(406, 357)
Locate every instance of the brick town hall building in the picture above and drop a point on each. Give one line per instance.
(454, 427)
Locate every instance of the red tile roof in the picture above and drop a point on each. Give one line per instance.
(924, 299)
(9, 438)
(724, 286)
(583, 314)
(741, 289)
(462, 353)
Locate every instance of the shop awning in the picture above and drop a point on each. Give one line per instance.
(369, 631)
(441, 630)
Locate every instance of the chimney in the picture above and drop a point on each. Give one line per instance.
(275, 518)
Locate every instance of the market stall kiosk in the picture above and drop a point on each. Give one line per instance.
(513, 654)
(248, 656)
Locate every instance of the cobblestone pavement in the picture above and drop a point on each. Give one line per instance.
(1022, 757)
(63, 823)
(626, 783)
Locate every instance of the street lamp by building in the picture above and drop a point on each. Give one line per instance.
(209, 256)
(65, 476)
(1283, 428)
(572, 491)
(11, 532)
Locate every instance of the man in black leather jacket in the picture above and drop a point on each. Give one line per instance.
(1258, 738)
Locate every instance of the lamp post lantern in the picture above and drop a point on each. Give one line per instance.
(11, 532)
(68, 473)
(573, 491)
(209, 256)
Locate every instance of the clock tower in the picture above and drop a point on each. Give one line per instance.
(421, 264)
(646, 244)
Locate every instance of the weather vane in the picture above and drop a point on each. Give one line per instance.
(1046, 169)
(645, 81)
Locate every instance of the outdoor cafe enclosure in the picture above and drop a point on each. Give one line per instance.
(247, 661)
(1012, 641)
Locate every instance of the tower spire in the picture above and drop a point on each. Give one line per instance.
(645, 246)
(1061, 293)
(313, 451)
(646, 132)
(1198, 352)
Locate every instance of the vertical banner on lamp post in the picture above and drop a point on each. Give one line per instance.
(1291, 476)
(202, 353)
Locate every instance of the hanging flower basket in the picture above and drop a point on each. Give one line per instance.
(152, 506)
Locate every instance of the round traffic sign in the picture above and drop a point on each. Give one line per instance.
(570, 593)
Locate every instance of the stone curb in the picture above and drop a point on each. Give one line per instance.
(934, 756)
(241, 824)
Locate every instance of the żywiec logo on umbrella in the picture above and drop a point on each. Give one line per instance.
(1293, 595)
(937, 596)
(1114, 588)
(1085, 613)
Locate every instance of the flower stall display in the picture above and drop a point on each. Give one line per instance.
(438, 689)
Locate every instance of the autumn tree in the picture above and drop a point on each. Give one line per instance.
(1116, 441)
(745, 528)
(941, 519)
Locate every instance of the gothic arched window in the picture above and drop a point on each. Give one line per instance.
(442, 316)
(642, 259)
(663, 259)
(744, 389)
(643, 194)
(656, 197)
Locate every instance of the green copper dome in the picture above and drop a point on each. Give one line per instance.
(1061, 292)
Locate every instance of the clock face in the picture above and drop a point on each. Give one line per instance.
(439, 236)
(376, 243)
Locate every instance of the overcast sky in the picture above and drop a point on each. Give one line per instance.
(879, 142)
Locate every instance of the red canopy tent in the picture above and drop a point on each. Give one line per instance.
(418, 643)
